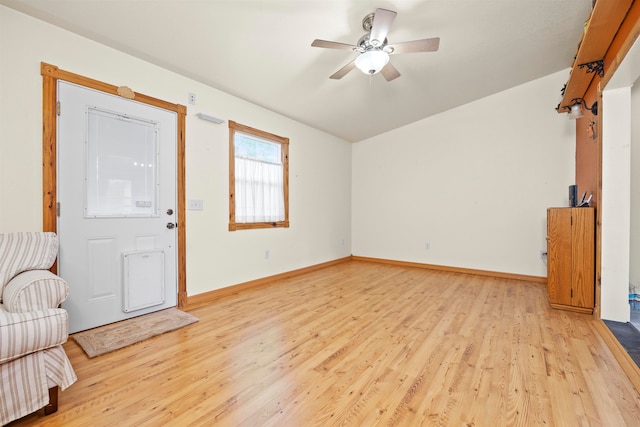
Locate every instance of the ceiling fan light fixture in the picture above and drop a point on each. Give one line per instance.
(374, 49)
(372, 61)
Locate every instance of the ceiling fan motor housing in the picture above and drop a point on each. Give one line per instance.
(364, 45)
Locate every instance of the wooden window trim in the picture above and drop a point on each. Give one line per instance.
(233, 225)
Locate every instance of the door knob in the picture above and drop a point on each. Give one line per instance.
(171, 225)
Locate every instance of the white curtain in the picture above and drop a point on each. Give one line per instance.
(259, 191)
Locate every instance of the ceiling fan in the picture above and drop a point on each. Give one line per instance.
(374, 49)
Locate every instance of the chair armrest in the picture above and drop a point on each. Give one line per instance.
(34, 290)
(25, 333)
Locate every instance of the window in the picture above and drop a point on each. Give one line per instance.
(258, 178)
(122, 166)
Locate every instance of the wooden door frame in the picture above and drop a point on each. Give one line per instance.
(50, 76)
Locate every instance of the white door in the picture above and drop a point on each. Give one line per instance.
(117, 206)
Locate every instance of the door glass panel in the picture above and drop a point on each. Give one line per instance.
(122, 166)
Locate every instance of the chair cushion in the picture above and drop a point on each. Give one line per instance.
(22, 251)
(24, 333)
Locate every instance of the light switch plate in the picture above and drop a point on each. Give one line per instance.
(196, 205)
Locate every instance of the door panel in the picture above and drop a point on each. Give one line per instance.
(117, 193)
(559, 255)
(101, 270)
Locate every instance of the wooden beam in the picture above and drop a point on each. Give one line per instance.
(600, 31)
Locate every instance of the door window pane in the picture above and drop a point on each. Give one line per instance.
(122, 165)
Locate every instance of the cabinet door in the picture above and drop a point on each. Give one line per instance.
(559, 255)
(583, 260)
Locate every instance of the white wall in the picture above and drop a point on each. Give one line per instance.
(634, 231)
(320, 164)
(620, 193)
(473, 182)
(615, 209)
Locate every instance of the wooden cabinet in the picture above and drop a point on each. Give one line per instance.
(571, 258)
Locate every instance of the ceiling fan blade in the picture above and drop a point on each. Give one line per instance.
(343, 71)
(390, 72)
(332, 45)
(425, 45)
(382, 21)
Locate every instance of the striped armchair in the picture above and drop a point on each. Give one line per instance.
(33, 328)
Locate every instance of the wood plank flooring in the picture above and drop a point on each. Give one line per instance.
(361, 343)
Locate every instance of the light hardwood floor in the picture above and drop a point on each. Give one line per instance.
(361, 343)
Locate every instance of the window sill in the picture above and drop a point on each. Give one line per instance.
(252, 225)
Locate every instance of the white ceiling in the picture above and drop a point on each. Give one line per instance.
(260, 50)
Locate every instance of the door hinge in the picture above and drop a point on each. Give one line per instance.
(58, 209)
(58, 108)
(571, 292)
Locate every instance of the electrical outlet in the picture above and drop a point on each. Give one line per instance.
(266, 254)
(427, 246)
(192, 98)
